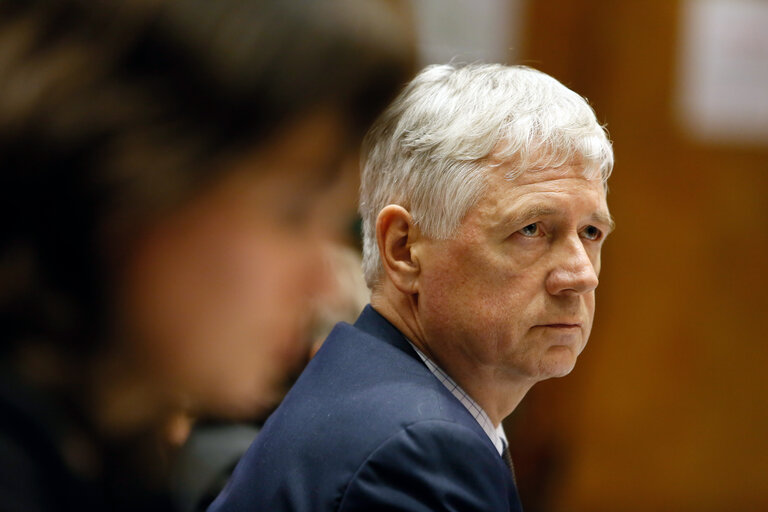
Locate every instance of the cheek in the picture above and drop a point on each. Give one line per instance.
(589, 306)
(467, 290)
(261, 293)
(596, 261)
(496, 290)
(223, 309)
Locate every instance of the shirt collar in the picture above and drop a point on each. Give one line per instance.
(495, 434)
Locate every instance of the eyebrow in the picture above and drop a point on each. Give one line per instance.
(535, 211)
(604, 218)
(530, 213)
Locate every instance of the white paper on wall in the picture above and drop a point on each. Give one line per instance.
(723, 81)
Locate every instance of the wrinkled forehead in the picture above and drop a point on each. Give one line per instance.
(548, 189)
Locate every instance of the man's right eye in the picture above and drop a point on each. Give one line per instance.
(530, 230)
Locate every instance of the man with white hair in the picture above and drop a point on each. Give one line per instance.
(484, 213)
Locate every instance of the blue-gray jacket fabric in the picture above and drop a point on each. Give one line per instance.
(367, 427)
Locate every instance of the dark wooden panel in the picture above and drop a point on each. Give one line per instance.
(668, 407)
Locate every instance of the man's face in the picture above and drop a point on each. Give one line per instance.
(514, 290)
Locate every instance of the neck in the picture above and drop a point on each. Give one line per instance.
(497, 393)
(496, 390)
(124, 401)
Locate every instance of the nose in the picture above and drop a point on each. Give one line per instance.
(574, 272)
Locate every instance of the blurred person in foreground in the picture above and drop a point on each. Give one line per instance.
(484, 211)
(167, 172)
(205, 462)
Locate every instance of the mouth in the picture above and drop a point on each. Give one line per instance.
(564, 326)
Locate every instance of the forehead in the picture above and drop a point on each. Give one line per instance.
(563, 191)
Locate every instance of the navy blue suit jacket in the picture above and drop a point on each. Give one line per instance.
(367, 427)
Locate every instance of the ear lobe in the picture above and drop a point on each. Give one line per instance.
(396, 234)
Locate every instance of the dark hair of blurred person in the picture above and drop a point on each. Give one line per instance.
(167, 171)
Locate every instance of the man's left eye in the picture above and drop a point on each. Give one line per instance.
(591, 233)
(530, 230)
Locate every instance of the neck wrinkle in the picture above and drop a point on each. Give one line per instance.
(498, 397)
(402, 314)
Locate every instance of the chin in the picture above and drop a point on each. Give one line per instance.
(557, 364)
(561, 373)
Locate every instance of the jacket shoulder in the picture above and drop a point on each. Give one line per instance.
(364, 401)
(432, 465)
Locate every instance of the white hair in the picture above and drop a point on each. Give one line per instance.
(429, 151)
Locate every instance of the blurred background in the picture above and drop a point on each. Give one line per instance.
(667, 409)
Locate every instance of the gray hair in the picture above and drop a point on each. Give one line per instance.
(429, 151)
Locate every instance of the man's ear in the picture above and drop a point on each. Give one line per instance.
(396, 234)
